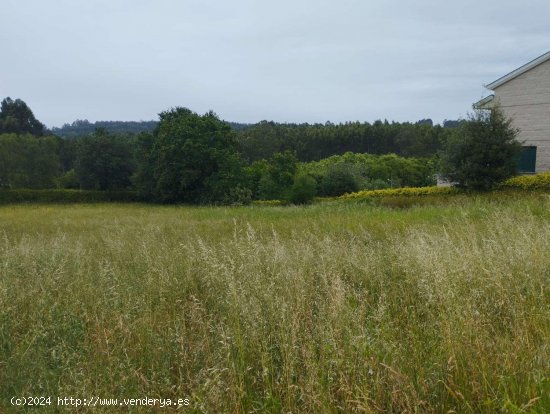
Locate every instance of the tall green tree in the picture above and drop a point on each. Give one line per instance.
(338, 179)
(27, 161)
(318, 141)
(191, 158)
(104, 161)
(143, 178)
(16, 117)
(278, 178)
(482, 151)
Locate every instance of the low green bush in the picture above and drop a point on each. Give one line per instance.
(69, 180)
(303, 189)
(8, 196)
(397, 197)
(238, 196)
(338, 181)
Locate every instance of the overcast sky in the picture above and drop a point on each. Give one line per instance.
(249, 60)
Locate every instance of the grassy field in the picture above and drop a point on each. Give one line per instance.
(334, 307)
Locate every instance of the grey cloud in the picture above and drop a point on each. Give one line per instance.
(249, 60)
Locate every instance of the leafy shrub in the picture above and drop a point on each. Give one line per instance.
(528, 182)
(376, 184)
(482, 152)
(238, 196)
(377, 171)
(277, 175)
(303, 189)
(68, 180)
(337, 181)
(65, 196)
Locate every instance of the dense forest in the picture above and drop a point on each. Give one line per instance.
(318, 141)
(310, 142)
(82, 127)
(186, 157)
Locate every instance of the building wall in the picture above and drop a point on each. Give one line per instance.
(526, 99)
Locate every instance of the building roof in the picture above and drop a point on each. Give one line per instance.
(519, 71)
(480, 104)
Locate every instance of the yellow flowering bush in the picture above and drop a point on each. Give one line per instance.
(539, 181)
(404, 191)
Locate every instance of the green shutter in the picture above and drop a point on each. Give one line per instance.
(527, 159)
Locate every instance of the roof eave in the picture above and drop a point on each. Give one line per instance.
(519, 71)
(481, 103)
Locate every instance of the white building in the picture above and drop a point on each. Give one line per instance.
(524, 96)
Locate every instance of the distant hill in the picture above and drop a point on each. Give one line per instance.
(84, 127)
(238, 126)
(452, 123)
(425, 122)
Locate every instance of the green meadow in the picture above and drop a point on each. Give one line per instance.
(344, 307)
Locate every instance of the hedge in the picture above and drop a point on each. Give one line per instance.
(539, 181)
(65, 196)
(403, 191)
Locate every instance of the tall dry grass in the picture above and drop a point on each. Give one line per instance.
(328, 308)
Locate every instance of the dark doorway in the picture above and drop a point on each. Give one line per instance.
(527, 159)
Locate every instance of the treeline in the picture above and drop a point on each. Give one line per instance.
(318, 141)
(100, 161)
(200, 159)
(82, 127)
(310, 142)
